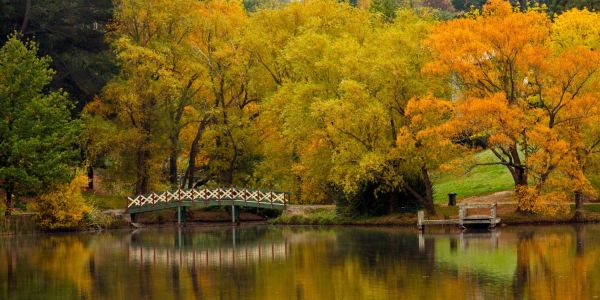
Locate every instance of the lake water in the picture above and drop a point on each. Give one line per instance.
(267, 262)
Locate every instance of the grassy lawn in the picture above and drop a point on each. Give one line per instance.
(481, 180)
(595, 179)
(105, 201)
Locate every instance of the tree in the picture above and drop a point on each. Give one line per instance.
(147, 98)
(335, 121)
(575, 33)
(37, 135)
(184, 79)
(223, 135)
(72, 33)
(552, 6)
(525, 93)
(425, 142)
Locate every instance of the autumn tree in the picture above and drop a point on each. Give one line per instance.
(146, 101)
(221, 134)
(524, 93)
(37, 134)
(426, 143)
(337, 121)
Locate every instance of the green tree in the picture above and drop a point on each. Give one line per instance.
(37, 134)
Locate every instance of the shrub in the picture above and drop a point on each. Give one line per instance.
(63, 208)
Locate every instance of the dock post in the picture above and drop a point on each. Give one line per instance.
(420, 218)
(461, 215)
(179, 215)
(493, 216)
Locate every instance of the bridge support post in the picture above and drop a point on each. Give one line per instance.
(179, 215)
(235, 215)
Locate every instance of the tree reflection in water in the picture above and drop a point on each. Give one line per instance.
(554, 262)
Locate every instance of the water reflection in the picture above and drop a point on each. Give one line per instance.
(557, 262)
(203, 252)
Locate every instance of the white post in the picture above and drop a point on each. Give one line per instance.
(420, 218)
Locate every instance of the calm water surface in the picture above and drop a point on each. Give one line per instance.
(556, 262)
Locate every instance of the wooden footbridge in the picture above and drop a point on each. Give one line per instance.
(183, 199)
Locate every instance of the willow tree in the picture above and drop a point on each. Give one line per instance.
(340, 96)
(146, 101)
(220, 137)
(527, 92)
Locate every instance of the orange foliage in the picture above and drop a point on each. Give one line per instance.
(530, 91)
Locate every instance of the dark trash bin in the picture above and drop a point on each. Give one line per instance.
(452, 199)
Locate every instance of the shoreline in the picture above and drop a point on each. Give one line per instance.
(319, 216)
(506, 212)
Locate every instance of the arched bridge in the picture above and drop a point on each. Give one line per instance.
(182, 199)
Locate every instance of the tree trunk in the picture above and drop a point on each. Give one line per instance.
(427, 204)
(191, 170)
(428, 186)
(394, 199)
(142, 172)
(578, 200)
(578, 206)
(173, 166)
(90, 174)
(232, 162)
(9, 200)
(519, 176)
(26, 16)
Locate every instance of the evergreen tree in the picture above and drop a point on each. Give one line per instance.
(37, 135)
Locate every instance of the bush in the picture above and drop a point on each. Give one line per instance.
(64, 208)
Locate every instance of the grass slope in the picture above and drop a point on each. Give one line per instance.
(105, 201)
(482, 180)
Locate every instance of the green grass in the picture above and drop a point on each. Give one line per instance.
(482, 180)
(105, 201)
(595, 180)
(328, 216)
(592, 207)
(318, 216)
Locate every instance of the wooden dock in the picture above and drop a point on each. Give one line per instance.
(464, 219)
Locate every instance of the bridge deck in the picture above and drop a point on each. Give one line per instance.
(202, 204)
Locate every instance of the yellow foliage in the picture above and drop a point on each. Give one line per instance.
(549, 203)
(577, 28)
(63, 208)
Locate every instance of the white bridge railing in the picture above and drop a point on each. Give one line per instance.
(224, 195)
(226, 256)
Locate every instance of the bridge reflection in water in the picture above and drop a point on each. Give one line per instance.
(223, 255)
